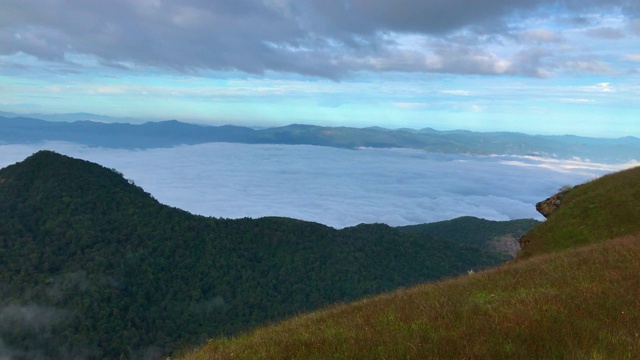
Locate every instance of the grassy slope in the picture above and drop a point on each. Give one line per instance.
(581, 303)
(596, 211)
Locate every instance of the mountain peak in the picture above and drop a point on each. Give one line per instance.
(47, 155)
(51, 181)
(47, 163)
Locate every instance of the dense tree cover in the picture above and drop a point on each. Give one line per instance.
(473, 231)
(91, 266)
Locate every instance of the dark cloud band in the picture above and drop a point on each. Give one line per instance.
(312, 37)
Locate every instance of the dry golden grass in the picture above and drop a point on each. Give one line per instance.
(579, 304)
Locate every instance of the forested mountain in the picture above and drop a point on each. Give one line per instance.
(92, 266)
(497, 235)
(172, 133)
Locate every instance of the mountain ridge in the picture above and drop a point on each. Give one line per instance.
(173, 133)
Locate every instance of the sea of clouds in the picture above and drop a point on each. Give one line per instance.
(336, 187)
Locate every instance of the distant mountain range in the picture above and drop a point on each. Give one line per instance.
(172, 133)
(71, 117)
(92, 267)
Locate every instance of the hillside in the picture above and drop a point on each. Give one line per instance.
(94, 267)
(20, 130)
(580, 303)
(502, 236)
(601, 209)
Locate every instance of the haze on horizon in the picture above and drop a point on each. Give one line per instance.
(532, 66)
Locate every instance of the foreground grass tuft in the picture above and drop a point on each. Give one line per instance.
(578, 304)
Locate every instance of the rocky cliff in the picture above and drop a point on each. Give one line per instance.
(549, 205)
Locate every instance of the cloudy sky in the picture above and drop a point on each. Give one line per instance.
(536, 66)
(336, 187)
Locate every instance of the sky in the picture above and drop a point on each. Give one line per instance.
(335, 187)
(533, 66)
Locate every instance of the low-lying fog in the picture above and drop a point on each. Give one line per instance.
(337, 187)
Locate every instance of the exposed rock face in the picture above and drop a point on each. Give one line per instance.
(548, 206)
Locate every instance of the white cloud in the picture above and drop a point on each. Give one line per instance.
(609, 33)
(540, 36)
(477, 108)
(576, 100)
(574, 166)
(457, 92)
(632, 57)
(108, 89)
(410, 105)
(336, 187)
(589, 66)
(604, 87)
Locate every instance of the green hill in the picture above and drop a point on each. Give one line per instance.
(91, 266)
(593, 212)
(578, 303)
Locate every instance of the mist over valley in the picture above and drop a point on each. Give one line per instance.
(334, 186)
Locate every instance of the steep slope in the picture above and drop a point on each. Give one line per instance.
(91, 266)
(596, 211)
